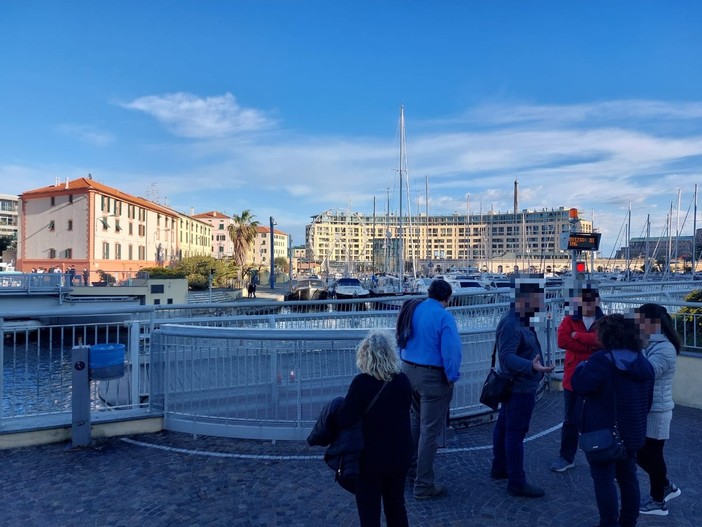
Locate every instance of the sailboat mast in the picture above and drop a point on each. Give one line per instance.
(694, 234)
(628, 244)
(400, 240)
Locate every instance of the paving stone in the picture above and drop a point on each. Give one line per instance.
(173, 480)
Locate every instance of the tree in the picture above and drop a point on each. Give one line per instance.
(282, 263)
(242, 233)
(197, 270)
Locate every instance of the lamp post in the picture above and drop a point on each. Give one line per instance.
(272, 255)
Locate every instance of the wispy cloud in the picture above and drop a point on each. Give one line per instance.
(188, 115)
(87, 133)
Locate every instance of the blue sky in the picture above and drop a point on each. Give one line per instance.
(291, 108)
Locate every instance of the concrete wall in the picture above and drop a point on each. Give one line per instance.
(687, 388)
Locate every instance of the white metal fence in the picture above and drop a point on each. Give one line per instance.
(213, 368)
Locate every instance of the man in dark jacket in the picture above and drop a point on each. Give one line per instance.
(617, 384)
(578, 337)
(520, 357)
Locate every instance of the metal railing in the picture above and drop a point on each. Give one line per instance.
(219, 366)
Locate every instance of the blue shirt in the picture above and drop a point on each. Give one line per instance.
(435, 340)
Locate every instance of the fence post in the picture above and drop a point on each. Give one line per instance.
(134, 379)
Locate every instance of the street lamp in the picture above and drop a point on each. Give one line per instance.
(273, 222)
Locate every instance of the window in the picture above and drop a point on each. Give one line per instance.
(118, 251)
(221, 226)
(105, 251)
(117, 227)
(157, 288)
(69, 225)
(52, 225)
(157, 302)
(131, 228)
(142, 252)
(52, 254)
(69, 253)
(103, 220)
(130, 252)
(142, 230)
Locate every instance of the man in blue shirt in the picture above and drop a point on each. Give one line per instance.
(431, 360)
(520, 357)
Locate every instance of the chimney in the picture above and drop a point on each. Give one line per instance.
(66, 182)
(516, 196)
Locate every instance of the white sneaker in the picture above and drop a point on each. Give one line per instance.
(656, 508)
(671, 491)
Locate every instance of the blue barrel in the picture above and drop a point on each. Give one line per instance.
(106, 361)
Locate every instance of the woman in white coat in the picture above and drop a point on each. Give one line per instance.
(662, 346)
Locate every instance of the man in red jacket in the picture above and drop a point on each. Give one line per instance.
(577, 335)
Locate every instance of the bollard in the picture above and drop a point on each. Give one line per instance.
(80, 396)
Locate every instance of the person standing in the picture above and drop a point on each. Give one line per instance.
(617, 384)
(387, 438)
(519, 355)
(431, 360)
(662, 348)
(86, 274)
(577, 336)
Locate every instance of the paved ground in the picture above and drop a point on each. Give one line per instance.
(170, 479)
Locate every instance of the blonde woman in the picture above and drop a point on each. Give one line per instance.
(386, 430)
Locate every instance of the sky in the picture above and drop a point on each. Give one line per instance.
(291, 108)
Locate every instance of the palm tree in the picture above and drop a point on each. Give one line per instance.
(242, 233)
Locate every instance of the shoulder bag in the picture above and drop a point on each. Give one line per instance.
(604, 445)
(344, 454)
(497, 387)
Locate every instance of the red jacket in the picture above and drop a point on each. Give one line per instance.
(578, 348)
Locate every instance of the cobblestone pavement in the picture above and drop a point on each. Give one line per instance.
(171, 479)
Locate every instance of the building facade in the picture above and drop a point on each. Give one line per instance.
(89, 225)
(9, 206)
(529, 238)
(220, 242)
(261, 251)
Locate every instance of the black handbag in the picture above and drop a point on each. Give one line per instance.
(604, 445)
(497, 387)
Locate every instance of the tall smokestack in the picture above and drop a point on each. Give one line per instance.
(516, 196)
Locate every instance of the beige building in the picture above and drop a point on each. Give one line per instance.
(90, 225)
(259, 254)
(528, 239)
(194, 237)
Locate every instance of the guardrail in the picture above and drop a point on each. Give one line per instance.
(35, 384)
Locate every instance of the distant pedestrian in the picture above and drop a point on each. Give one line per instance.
(432, 361)
(617, 383)
(577, 335)
(519, 354)
(249, 290)
(86, 275)
(253, 289)
(662, 347)
(71, 274)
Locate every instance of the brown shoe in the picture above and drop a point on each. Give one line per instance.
(435, 491)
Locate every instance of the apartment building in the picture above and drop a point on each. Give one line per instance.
(259, 253)
(529, 238)
(194, 237)
(220, 243)
(9, 206)
(90, 225)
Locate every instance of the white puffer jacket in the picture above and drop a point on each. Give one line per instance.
(660, 352)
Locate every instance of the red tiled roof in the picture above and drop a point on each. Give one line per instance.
(86, 185)
(210, 214)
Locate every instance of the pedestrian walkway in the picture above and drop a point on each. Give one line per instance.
(174, 480)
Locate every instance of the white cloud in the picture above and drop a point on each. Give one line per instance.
(188, 115)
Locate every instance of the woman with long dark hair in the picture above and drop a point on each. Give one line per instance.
(617, 385)
(662, 346)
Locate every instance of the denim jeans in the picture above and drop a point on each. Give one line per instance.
(603, 475)
(431, 398)
(570, 431)
(508, 437)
